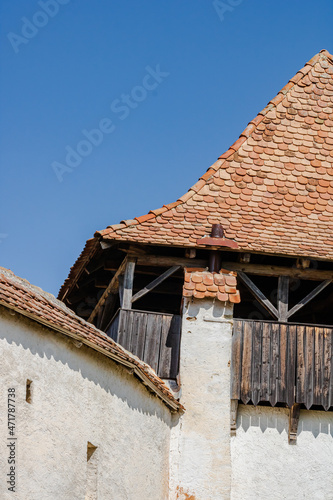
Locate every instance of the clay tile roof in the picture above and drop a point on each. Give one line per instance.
(28, 300)
(272, 190)
(202, 284)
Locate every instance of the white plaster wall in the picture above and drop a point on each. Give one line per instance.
(265, 466)
(78, 396)
(200, 446)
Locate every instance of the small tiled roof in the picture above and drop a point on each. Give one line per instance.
(28, 300)
(272, 190)
(201, 284)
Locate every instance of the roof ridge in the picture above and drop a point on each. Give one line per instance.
(252, 125)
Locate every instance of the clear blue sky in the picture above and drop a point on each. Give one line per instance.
(61, 78)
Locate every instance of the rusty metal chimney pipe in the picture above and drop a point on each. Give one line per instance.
(215, 255)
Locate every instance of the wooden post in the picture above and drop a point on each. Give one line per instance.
(233, 416)
(293, 422)
(112, 288)
(126, 302)
(282, 298)
(107, 311)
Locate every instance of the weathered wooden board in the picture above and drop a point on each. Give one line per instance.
(112, 331)
(153, 340)
(153, 337)
(282, 363)
(172, 345)
(246, 366)
(314, 385)
(291, 363)
(236, 359)
(168, 365)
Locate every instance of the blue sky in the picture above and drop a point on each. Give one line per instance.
(64, 63)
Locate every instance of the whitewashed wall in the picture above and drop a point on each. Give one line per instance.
(78, 396)
(265, 466)
(200, 449)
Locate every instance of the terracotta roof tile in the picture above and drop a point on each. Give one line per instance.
(31, 301)
(202, 284)
(281, 152)
(305, 94)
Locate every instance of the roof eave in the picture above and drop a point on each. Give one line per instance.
(173, 405)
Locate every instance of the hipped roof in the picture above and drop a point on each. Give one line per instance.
(272, 190)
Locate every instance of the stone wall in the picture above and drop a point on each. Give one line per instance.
(200, 452)
(265, 466)
(78, 397)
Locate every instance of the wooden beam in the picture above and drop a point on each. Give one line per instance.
(233, 416)
(244, 258)
(153, 284)
(112, 288)
(258, 294)
(105, 245)
(308, 297)
(126, 302)
(190, 253)
(107, 311)
(145, 270)
(293, 422)
(282, 298)
(132, 250)
(257, 269)
(267, 270)
(303, 263)
(162, 261)
(101, 284)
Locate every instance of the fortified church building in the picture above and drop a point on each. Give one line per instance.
(189, 353)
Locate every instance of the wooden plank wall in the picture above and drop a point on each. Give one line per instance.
(282, 363)
(153, 337)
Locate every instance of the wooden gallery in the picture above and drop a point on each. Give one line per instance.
(192, 347)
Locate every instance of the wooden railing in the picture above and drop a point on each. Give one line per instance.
(152, 337)
(282, 363)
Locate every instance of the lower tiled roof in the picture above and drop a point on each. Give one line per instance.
(42, 307)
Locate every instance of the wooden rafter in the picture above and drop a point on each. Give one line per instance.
(107, 311)
(267, 270)
(153, 284)
(308, 297)
(281, 313)
(112, 288)
(258, 294)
